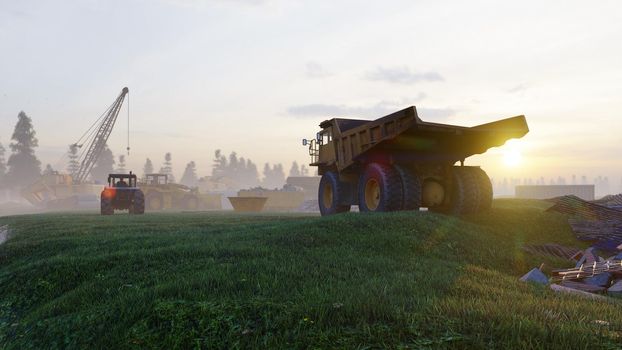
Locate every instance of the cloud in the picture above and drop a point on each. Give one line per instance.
(402, 75)
(518, 88)
(316, 70)
(377, 110)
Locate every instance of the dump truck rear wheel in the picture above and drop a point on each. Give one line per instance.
(380, 189)
(464, 197)
(330, 195)
(484, 188)
(106, 206)
(138, 206)
(411, 188)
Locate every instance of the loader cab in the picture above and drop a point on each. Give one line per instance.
(156, 179)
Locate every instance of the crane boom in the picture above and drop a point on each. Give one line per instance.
(98, 143)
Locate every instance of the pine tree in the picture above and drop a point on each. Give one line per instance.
(24, 167)
(190, 175)
(294, 170)
(121, 167)
(148, 168)
(48, 170)
(73, 165)
(273, 177)
(104, 166)
(168, 167)
(2, 166)
(304, 171)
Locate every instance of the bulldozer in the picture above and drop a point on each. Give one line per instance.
(400, 162)
(160, 194)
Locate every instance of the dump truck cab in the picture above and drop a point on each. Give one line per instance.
(122, 193)
(400, 162)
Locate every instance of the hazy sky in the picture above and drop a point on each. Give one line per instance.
(257, 76)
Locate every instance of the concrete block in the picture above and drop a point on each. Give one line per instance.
(535, 276)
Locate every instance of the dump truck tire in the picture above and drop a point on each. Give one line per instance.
(138, 206)
(411, 188)
(380, 189)
(154, 201)
(330, 195)
(464, 194)
(484, 187)
(106, 206)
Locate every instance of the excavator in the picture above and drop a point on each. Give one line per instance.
(72, 191)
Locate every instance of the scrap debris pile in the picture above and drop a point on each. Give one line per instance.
(599, 222)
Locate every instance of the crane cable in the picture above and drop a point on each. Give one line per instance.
(128, 123)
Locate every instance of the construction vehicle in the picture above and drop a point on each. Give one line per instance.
(400, 162)
(284, 200)
(66, 191)
(122, 193)
(160, 194)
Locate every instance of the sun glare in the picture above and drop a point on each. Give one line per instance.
(512, 157)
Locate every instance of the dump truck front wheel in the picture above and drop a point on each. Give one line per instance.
(380, 189)
(330, 195)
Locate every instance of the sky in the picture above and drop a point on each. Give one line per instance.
(257, 76)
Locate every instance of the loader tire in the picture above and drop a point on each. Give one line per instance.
(484, 187)
(106, 206)
(411, 188)
(191, 203)
(464, 194)
(155, 201)
(330, 195)
(138, 205)
(380, 189)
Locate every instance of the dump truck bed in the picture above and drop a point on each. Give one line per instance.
(404, 137)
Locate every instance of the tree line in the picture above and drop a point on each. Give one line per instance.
(23, 168)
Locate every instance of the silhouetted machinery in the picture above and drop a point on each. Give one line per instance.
(400, 162)
(160, 194)
(122, 193)
(63, 191)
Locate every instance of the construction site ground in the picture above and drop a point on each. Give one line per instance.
(226, 280)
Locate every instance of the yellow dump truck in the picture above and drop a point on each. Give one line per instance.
(400, 162)
(160, 194)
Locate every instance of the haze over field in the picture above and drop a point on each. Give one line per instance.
(257, 76)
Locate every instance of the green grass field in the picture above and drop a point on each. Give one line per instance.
(215, 280)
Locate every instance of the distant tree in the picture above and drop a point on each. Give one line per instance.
(304, 171)
(2, 166)
(121, 165)
(104, 166)
(168, 167)
(73, 165)
(242, 171)
(189, 177)
(23, 166)
(48, 170)
(148, 167)
(294, 170)
(273, 177)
